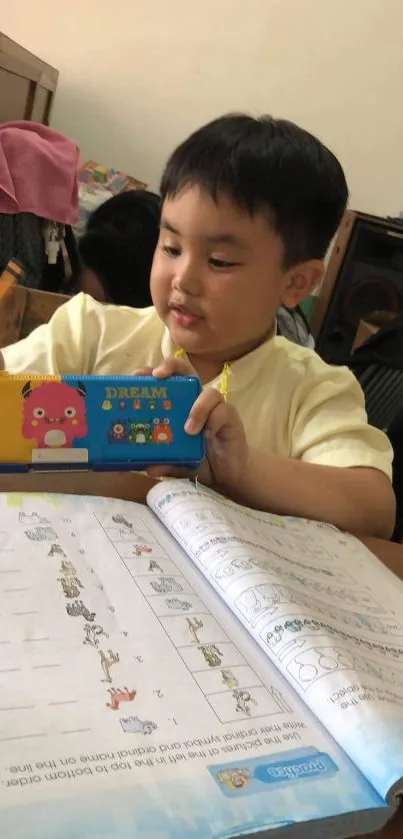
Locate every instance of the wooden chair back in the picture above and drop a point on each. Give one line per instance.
(23, 309)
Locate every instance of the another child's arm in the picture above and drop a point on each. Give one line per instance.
(359, 500)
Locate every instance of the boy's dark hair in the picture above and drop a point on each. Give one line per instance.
(271, 165)
(119, 244)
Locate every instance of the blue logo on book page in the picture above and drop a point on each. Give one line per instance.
(247, 777)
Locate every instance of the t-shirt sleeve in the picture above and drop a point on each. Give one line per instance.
(61, 346)
(330, 425)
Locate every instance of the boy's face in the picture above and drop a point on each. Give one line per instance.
(217, 278)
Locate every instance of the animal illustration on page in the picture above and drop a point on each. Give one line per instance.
(176, 603)
(195, 625)
(71, 586)
(153, 566)
(165, 585)
(77, 609)
(119, 519)
(229, 680)
(67, 569)
(212, 654)
(32, 518)
(41, 534)
(117, 696)
(93, 634)
(139, 550)
(133, 725)
(56, 550)
(108, 659)
(243, 701)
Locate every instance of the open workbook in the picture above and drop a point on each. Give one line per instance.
(193, 670)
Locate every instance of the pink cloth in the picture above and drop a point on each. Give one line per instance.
(38, 172)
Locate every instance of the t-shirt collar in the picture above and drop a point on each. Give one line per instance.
(241, 371)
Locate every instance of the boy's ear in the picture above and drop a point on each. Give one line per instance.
(301, 281)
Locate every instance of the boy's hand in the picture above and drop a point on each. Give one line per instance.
(227, 451)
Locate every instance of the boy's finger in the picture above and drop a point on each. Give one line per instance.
(201, 410)
(143, 371)
(174, 367)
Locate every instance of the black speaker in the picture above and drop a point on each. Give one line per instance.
(364, 275)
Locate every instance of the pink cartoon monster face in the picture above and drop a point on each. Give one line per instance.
(54, 414)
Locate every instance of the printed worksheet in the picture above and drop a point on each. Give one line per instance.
(133, 701)
(325, 612)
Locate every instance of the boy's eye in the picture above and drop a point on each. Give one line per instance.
(170, 250)
(222, 263)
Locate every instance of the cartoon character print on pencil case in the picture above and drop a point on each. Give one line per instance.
(93, 633)
(77, 609)
(161, 432)
(139, 433)
(117, 696)
(54, 414)
(71, 586)
(108, 659)
(41, 534)
(118, 432)
(133, 725)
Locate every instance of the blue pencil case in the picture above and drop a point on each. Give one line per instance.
(96, 422)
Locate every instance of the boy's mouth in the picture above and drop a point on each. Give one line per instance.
(184, 317)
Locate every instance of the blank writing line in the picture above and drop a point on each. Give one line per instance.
(65, 702)
(43, 666)
(10, 590)
(24, 613)
(21, 737)
(26, 640)
(11, 670)
(16, 707)
(75, 731)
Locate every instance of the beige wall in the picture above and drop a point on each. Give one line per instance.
(138, 75)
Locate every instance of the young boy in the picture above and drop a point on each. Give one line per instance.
(249, 209)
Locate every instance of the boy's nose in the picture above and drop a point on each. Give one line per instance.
(186, 279)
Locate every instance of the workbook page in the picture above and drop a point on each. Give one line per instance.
(323, 609)
(132, 701)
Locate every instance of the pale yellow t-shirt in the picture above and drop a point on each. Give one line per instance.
(291, 403)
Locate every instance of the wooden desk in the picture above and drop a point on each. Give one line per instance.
(134, 488)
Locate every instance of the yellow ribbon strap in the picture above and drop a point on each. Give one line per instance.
(223, 384)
